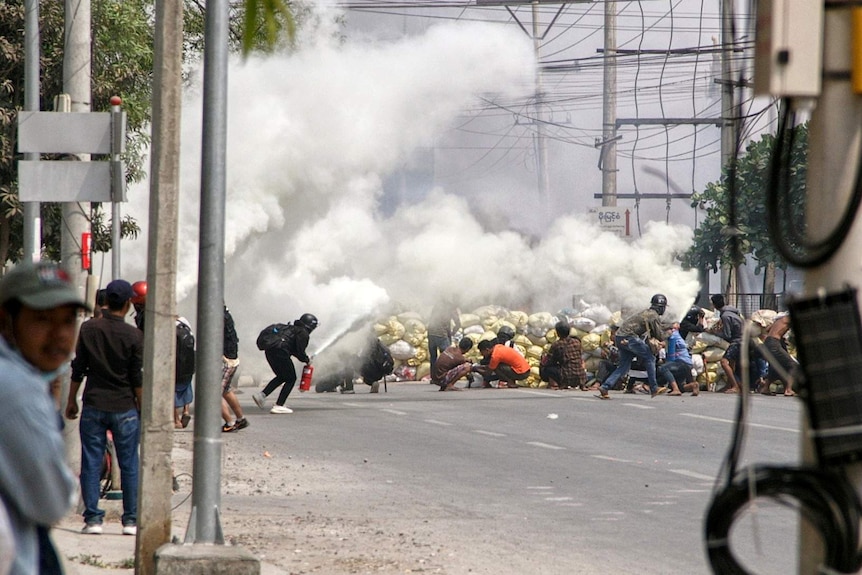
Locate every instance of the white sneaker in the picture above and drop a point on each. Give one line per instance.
(92, 529)
(130, 529)
(375, 387)
(280, 409)
(259, 398)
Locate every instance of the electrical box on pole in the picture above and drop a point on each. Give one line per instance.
(788, 48)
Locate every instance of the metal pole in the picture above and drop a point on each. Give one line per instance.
(729, 275)
(206, 488)
(32, 51)
(541, 140)
(118, 133)
(609, 111)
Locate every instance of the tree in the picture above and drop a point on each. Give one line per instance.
(713, 245)
(122, 65)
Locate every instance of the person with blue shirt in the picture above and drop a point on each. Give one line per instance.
(678, 364)
(39, 309)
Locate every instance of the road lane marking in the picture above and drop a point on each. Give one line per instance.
(638, 405)
(609, 458)
(692, 474)
(490, 433)
(394, 411)
(733, 422)
(544, 445)
(437, 422)
(539, 487)
(558, 499)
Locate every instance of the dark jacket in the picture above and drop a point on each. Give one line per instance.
(230, 348)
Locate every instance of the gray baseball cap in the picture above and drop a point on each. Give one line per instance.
(41, 285)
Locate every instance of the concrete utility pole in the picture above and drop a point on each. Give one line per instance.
(835, 133)
(541, 137)
(157, 419)
(76, 83)
(207, 552)
(608, 144)
(729, 276)
(32, 76)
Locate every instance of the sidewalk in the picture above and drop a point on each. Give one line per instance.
(113, 553)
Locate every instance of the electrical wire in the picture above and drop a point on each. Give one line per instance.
(807, 253)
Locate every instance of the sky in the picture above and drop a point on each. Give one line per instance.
(315, 139)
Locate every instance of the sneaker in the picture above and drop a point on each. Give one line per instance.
(280, 409)
(241, 423)
(130, 529)
(228, 427)
(259, 398)
(342, 389)
(92, 529)
(375, 387)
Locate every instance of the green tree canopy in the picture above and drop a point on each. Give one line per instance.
(712, 245)
(122, 65)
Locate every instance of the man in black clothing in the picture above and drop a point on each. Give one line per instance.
(109, 355)
(230, 362)
(280, 360)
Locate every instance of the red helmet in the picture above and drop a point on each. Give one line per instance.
(140, 293)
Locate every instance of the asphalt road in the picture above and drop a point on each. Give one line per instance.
(523, 481)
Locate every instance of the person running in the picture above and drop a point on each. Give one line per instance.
(230, 362)
(631, 339)
(280, 360)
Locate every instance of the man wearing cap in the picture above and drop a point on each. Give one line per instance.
(38, 320)
(110, 355)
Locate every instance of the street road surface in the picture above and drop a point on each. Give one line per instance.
(501, 482)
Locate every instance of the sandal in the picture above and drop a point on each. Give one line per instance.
(185, 419)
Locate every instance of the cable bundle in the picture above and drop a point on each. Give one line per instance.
(825, 498)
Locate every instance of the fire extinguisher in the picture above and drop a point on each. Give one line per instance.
(305, 382)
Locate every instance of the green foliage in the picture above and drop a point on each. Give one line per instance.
(264, 23)
(713, 245)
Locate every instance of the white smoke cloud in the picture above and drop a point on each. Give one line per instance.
(311, 135)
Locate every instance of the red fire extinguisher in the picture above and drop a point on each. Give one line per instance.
(305, 382)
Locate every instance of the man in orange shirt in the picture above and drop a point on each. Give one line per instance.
(509, 365)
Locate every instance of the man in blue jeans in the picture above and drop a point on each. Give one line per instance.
(110, 355)
(631, 339)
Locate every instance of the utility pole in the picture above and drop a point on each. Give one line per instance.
(157, 429)
(608, 150)
(833, 164)
(541, 137)
(76, 83)
(729, 275)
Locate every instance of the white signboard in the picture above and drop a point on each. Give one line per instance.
(610, 219)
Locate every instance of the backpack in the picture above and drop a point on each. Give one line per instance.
(275, 335)
(185, 353)
(382, 358)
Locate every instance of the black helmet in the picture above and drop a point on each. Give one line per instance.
(308, 320)
(658, 299)
(505, 333)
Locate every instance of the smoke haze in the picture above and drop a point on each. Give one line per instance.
(312, 136)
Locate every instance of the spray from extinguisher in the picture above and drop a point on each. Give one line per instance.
(307, 372)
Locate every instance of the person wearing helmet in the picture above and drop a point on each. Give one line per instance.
(692, 322)
(139, 301)
(280, 360)
(631, 339)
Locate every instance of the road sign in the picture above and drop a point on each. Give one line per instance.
(71, 133)
(612, 220)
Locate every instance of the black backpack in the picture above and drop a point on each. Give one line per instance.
(275, 335)
(383, 358)
(185, 353)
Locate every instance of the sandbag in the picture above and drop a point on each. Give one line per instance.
(402, 350)
(584, 324)
(591, 342)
